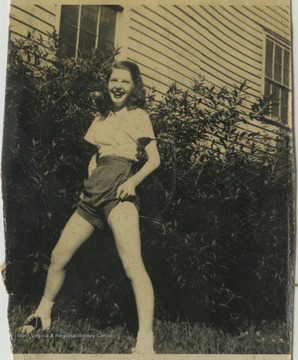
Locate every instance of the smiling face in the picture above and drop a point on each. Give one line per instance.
(120, 86)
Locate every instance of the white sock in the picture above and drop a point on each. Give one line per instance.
(142, 333)
(145, 337)
(45, 307)
(144, 343)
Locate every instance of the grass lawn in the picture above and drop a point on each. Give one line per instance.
(71, 334)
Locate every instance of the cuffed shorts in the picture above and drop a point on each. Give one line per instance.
(99, 195)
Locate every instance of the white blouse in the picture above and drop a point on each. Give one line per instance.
(120, 133)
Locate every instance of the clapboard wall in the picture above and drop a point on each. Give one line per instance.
(225, 44)
(38, 19)
(180, 43)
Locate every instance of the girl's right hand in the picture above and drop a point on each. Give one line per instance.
(126, 190)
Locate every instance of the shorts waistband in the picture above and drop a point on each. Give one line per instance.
(110, 160)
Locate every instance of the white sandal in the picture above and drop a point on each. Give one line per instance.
(144, 344)
(35, 322)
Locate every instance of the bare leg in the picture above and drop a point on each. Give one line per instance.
(76, 232)
(124, 222)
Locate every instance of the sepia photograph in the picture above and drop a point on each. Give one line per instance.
(148, 179)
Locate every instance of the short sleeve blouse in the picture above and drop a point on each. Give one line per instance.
(121, 133)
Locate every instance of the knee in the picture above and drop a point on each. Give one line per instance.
(134, 271)
(58, 259)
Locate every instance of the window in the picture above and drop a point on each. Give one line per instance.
(278, 78)
(86, 27)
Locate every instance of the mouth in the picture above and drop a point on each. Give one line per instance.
(118, 94)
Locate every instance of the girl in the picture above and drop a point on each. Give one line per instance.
(110, 195)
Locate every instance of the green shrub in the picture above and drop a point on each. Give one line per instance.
(48, 109)
(225, 210)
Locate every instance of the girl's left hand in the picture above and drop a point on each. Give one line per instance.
(126, 189)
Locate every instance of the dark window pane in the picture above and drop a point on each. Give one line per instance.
(284, 105)
(89, 17)
(87, 41)
(68, 28)
(69, 14)
(106, 32)
(269, 58)
(277, 63)
(286, 78)
(267, 88)
(267, 92)
(96, 27)
(69, 41)
(276, 100)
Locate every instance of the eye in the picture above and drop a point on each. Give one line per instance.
(126, 82)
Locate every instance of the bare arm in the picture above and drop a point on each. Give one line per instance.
(153, 162)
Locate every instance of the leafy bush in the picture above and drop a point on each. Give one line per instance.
(227, 207)
(48, 109)
(216, 217)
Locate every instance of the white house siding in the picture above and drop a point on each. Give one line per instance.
(224, 44)
(178, 43)
(165, 52)
(38, 19)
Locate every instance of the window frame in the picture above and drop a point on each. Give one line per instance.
(285, 45)
(118, 9)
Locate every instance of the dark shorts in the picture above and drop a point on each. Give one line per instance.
(99, 195)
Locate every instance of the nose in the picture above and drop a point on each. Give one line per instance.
(117, 84)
